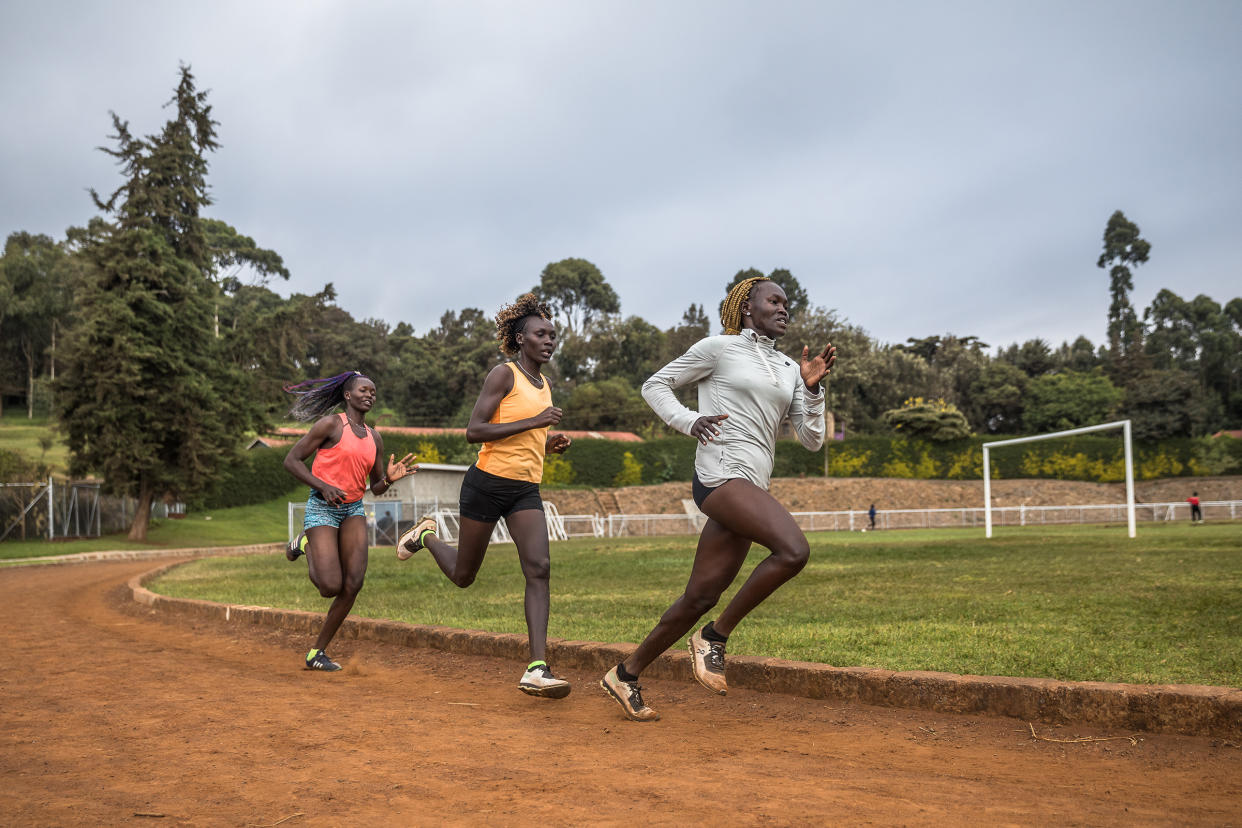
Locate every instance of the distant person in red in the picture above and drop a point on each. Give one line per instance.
(1196, 514)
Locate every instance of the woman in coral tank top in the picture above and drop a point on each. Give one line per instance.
(511, 419)
(347, 452)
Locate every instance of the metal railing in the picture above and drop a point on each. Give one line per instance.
(563, 527)
(969, 517)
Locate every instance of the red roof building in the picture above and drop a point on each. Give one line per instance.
(619, 436)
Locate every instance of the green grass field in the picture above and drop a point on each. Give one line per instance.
(239, 526)
(1074, 603)
(23, 436)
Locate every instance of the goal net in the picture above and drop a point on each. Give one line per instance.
(1124, 425)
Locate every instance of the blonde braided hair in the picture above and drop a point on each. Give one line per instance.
(731, 307)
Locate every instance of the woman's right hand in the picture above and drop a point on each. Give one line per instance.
(331, 494)
(704, 428)
(550, 416)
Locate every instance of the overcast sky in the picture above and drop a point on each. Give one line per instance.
(922, 168)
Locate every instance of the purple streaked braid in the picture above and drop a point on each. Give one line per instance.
(318, 397)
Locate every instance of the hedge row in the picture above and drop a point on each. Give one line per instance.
(599, 463)
(260, 475)
(15, 468)
(254, 476)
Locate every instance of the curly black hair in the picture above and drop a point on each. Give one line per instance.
(511, 319)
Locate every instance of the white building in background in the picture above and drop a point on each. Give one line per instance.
(433, 486)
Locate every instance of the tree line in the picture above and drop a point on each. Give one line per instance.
(153, 335)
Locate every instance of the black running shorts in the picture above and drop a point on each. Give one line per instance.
(699, 491)
(488, 498)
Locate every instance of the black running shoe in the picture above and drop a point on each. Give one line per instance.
(318, 660)
(294, 550)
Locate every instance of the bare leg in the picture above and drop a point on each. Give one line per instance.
(738, 512)
(461, 565)
(529, 529)
(342, 581)
(323, 561)
(716, 563)
(751, 512)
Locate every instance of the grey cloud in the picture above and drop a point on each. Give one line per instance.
(922, 168)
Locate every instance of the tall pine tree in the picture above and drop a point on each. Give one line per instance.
(1123, 247)
(145, 398)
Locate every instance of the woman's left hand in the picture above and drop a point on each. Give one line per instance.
(557, 443)
(815, 369)
(398, 469)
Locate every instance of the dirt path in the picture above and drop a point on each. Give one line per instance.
(112, 716)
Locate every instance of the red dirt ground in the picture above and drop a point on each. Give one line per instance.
(112, 716)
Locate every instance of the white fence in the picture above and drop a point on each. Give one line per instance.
(845, 521)
(387, 520)
(563, 527)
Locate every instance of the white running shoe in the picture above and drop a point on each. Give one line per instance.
(629, 695)
(409, 542)
(539, 681)
(708, 659)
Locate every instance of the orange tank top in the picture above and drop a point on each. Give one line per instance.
(519, 456)
(347, 464)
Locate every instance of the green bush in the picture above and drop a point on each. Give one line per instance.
(255, 476)
(259, 475)
(1083, 457)
(557, 471)
(663, 460)
(15, 468)
(1222, 455)
(450, 448)
(631, 473)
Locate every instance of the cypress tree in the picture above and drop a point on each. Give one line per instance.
(145, 398)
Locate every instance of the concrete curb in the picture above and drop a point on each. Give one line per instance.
(148, 554)
(1187, 709)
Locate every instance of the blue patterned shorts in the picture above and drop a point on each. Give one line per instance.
(320, 513)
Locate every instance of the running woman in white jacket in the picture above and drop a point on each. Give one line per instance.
(746, 387)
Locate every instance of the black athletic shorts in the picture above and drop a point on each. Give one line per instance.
(700, 492)
(488, 498)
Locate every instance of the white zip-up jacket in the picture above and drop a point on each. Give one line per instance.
(745, 377)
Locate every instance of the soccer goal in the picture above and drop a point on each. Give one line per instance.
(1124, 425)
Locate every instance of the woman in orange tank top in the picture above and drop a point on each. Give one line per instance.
(347, 453)
(511, 419)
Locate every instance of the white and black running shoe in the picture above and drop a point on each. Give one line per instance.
(295, 548)
(629, 695)
(539, 681)
(411, 540)
(708, 660)
(318, 660)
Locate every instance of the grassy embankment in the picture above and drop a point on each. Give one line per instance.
(258, 523)
(239, 526)
(24, 437)
(1075, 603)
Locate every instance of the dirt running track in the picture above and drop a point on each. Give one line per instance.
(112, 716)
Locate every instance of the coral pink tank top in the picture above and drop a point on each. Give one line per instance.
(347, 464)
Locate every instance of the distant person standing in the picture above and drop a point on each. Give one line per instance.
(871, 515)
(1196, 514)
